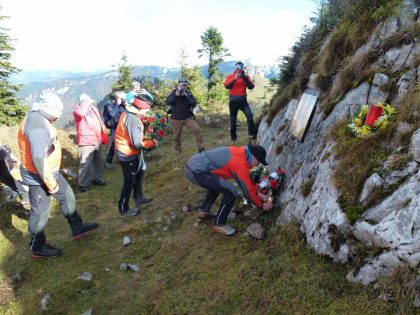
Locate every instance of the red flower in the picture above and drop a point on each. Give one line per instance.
(163, 120)
(280, 171)
(160, 133)
(150, 130)
(151, 119)
(274, 183)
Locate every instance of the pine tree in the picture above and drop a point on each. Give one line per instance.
(124, 79)
(11, 111)
(212, 42)
(193, 75)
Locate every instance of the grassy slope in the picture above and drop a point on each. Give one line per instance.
(185, 269)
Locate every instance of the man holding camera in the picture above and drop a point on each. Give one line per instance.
(237, 82)
(181, 103)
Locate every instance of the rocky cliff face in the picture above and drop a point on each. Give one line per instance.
(311, 199)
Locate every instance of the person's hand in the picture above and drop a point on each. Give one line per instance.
(177, 92)
(267, 206)
(237, 75)
(156, 142)
(262, 197)
(243, 75)
(55, 189)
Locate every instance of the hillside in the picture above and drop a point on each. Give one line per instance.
(184, 267)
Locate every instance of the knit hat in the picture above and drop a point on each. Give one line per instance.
(49, 104)
(182, 81)
(258, 152)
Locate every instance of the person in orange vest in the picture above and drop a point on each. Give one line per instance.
(211, 170)
(91, 134)
(129, 146)
(237, 83)
(40, 153)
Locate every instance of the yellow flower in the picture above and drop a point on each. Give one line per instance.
(364, 131)
(358, 122)
(389, 110)
(380, 104)
(384, 124)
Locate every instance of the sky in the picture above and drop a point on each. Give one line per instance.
(91, 35)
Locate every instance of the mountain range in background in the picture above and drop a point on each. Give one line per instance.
(69, 85)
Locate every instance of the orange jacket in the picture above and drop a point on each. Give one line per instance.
(129, 138)
(40, 151)
(238, 87)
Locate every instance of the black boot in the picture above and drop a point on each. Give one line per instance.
(40, 249)
(78, 227)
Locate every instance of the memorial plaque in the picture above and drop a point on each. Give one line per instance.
(303, 115)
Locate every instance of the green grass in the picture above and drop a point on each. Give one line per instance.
(185, 269)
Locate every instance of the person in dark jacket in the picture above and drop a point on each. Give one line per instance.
(181, 103)
(211, 169)
(5, 176)
(237, 83)
(112, 113)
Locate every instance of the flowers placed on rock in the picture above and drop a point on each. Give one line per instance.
(370, 118)
(267, 183)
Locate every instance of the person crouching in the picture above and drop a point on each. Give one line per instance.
(211, 169)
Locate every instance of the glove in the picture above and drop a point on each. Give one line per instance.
(243, 76)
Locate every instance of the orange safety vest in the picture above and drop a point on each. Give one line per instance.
(123, 140)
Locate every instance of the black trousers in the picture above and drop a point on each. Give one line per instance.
(111, 147)
(6, 177)
(133, 177)
(215, 186)
(234, 107)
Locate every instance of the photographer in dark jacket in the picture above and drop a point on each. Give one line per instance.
(181, 103)
(112, 112)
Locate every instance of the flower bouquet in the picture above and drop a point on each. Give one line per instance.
(154, 126)
(267, 183)
(368, 119)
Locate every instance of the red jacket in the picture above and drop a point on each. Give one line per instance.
(238, 87)
(89, 126)
(227, 162)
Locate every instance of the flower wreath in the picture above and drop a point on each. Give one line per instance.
(363, 125)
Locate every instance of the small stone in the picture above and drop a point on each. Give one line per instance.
(126, 241)
(173, 216)
(196, 223)
(158, 219)
(256, 230)
(416, 301)
(107, 270)
(133, 267)
(44, 302)
(88, 312)
(146, 221)
(16, 278)
(384, 297)
(176, 168)
(123, 267)
(186, 208)
(86, 276)
(165, 228)
(251, 214)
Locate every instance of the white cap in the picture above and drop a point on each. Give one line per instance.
(120, 94)
(49, 104)
(84, 98)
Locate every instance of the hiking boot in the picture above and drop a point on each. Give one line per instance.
(142, 200)
(78, 227)
(84, 229)
(46, 251)
(224, 230)
(99, 182)
(202, 215)
(109, 165)
(201, 150)
(130, 213)
(84, 189)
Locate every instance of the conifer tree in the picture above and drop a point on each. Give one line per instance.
(212, 42)
(11, 111)
(124, 79)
